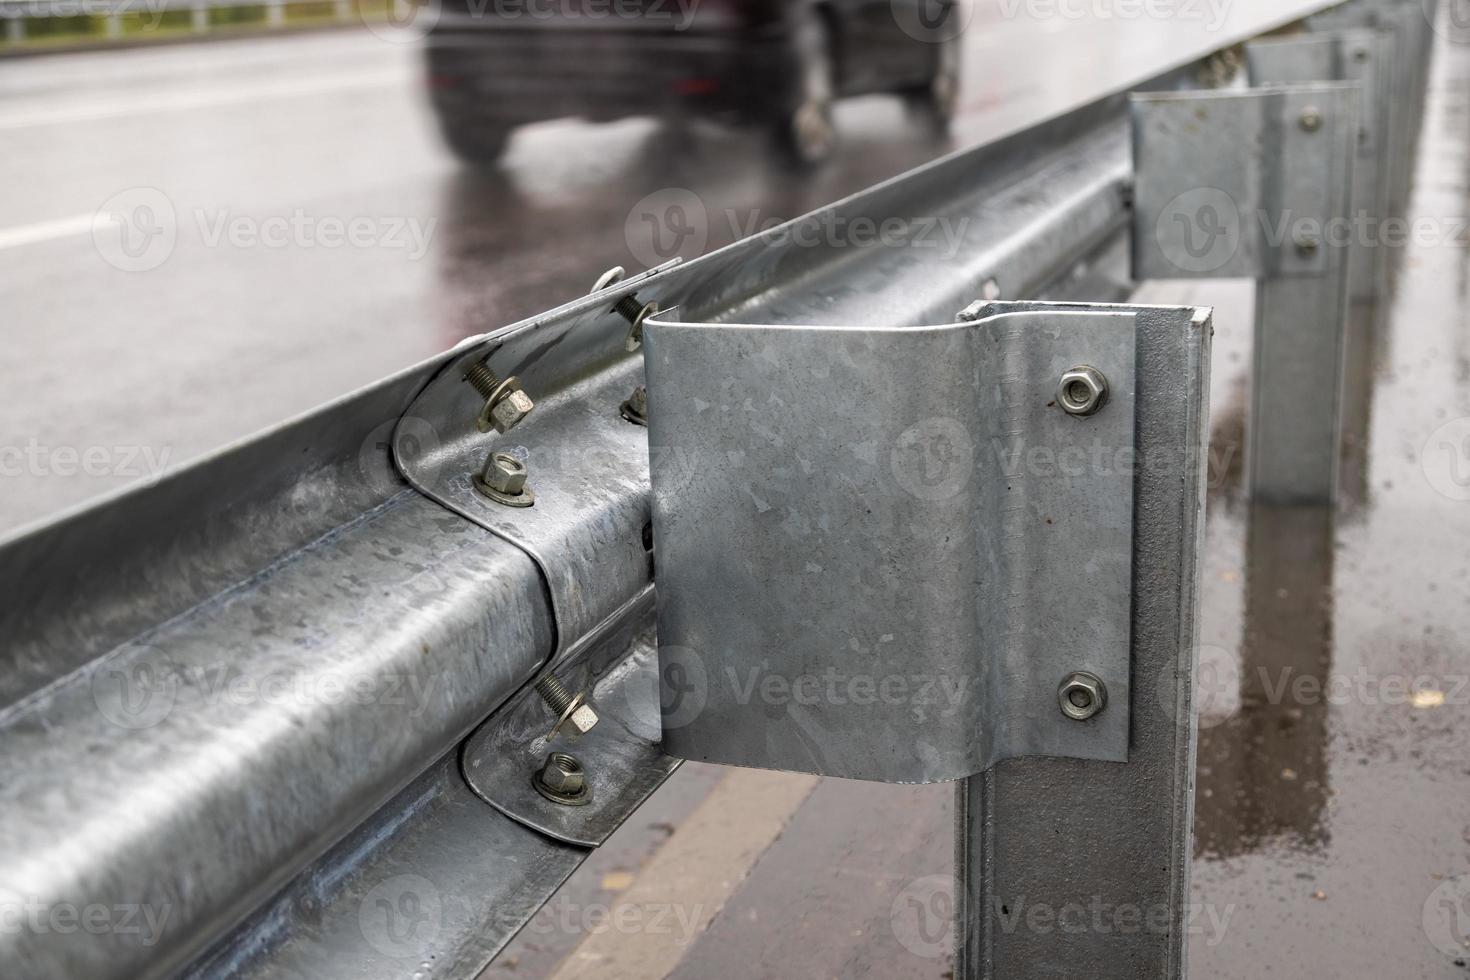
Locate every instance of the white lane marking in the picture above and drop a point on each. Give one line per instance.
(45, 231)
(176, 101)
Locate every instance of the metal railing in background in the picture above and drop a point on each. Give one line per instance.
(31, 25)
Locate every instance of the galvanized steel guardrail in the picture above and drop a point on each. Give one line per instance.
(308, 674)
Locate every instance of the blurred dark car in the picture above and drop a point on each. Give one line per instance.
(496, 64)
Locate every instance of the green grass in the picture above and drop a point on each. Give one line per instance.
(57, 32)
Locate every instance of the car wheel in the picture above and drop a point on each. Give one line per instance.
(936, 102)
(808, 133)
(477, 142)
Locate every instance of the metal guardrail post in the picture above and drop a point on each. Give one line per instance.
(1259, 185)
(15, 29)
(199, 18)
(1070, 867)
(1369, 59)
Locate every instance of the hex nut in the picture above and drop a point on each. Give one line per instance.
(562, 780)
(1083, 391)
(1082, 696)
(506, 474)
(504, 481)
(510, 411)
(635, 409)
(563, 774)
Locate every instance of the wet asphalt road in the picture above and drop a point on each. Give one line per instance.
(1331, 826)
(241, 313)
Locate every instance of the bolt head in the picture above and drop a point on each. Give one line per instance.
(510, 411)
(506, 474)
(1311, 120)
(1083, 391)
(1306, 246)
(1082, 696)
(563, 774)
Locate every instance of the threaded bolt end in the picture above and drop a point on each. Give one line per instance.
(555, 694)
(482, 379)
(629, 308)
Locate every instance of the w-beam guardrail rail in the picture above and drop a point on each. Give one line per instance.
(465, 554)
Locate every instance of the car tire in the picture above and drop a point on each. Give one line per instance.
(476, 142)
(807, 132)
(937, 101)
